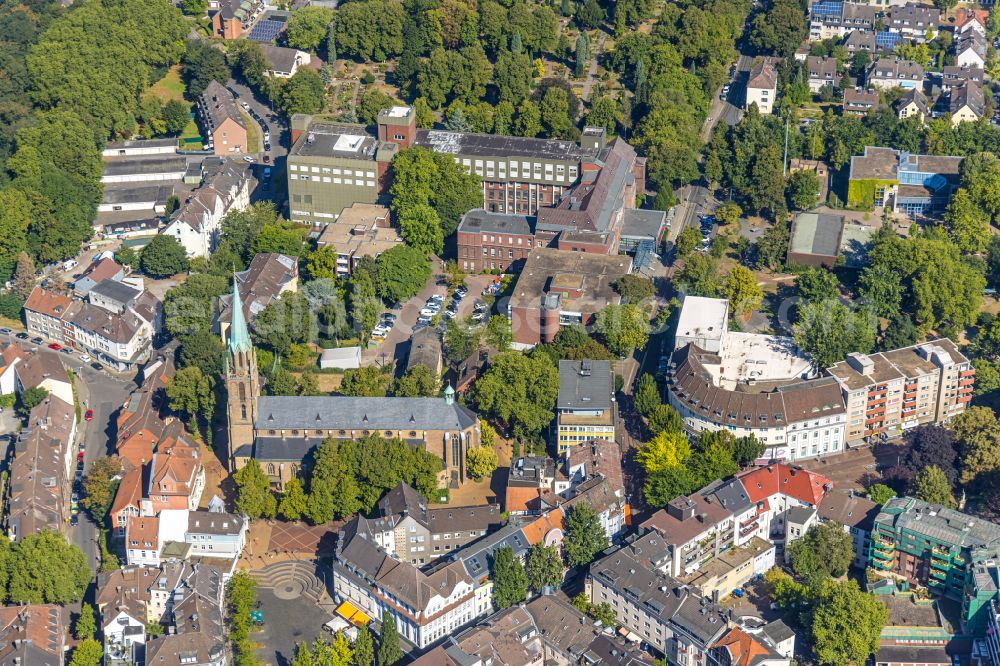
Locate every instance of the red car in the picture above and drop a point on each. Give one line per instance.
(89, 416)
(79, 456)
(55, 346)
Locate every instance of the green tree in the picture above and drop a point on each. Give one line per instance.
(303, 93)
(99, 487)
(371, 102)
(646, 397)
(85, 626)
(846, 624)
(364, 305)
(32, 397)
(687, 241)
(544, 568)
(817, 284)
(510, 582)
(307, 28)
(42, 568)
(163, 257)
(293, 500)
(194, 8)
(402, 272)
(202, 63)
(416, 382)
(518, 391)
(827, 331)
(665, 450)
(498, 332)
(322, 263)
(285, 322)
(389, 652)
(555, 114)
(968, 224)
(932, 486)
(780, 29)
(423, 177)
(585, 536)
(529, 119)
(176, 116)
(481, 461)
(825, 551)
(880, 493)
(368, 381)
(604, 113)
(623, 328)
(191, 392)
(582, 55)
(461, 338)
(664, 419)
(282, 237)
(728, 213)
(420, 227)
(88, 653)
(747, 449)
(253, 492)
(743, 292)
(202, 349)
(802, 190)
(364, 649)
(512, 76)
(634, 288)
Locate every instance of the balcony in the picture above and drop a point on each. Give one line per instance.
(939, 575)
(964, 398)
(943, 552)
(936, 584)
(937, 563)
(967, 373)
(884, 543)
(967, 382)
(881, 555)
(882, 565)
(875, 421)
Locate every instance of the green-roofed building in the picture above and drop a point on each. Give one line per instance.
(950, 552)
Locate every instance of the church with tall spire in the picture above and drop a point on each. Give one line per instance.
(281, 432)
(242, 381)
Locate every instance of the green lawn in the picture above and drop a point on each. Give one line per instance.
(170, 86)
(253, 144)
(190, 131)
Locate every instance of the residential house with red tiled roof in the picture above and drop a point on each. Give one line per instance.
(10, 356)
(43, 313)
(33, 634)
(739, 648)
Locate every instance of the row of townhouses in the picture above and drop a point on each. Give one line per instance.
(113, 320)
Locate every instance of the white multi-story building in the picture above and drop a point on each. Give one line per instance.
(197, 223)
(762, 87)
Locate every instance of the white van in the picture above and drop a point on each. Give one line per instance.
(70, 264)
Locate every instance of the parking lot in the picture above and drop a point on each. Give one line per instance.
(395, 345)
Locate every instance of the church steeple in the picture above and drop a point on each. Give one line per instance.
(242, 382)
(239, 336)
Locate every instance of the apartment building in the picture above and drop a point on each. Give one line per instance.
(223, 123)
(892, 72)
(560, 288)
(953, 75)
(196, 632)
(696, 530)
(43, 313)
(950, 552)
(762, 87)
(33, 634)
(857, 514)
(585, 408)
(410, 532)
(912, 185)
(971, 49)
(892, 391)
(151, 540)
(822, 72)
(232, 19)
(966, 103)
(425, 606)
(362, 230)
(914, 21)
(225, 187)
(834, 20)
(269, 275)
(669, 616)
(38, 493)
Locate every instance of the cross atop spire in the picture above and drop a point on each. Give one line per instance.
(239, 336)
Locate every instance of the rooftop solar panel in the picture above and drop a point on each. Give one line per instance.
(887, 39)
(266, 30)
(828, 8)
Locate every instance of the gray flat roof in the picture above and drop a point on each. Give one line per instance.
(816, 233)
(479, 220)
(115, 291)
(585, 385)
(503, 147)
(640, 223)
(343, 140)
(146, 165)
(136, 193)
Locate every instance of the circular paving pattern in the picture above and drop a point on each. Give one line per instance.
(290, 590)
(290, 580)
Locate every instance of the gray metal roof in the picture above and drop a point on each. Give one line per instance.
(638, 223)
(939, 523)
(585, 385)
(350, 413)
(266, 449)
(116, 291)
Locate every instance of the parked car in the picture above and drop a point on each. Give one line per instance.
(461, 291)
(67, 351)
(96, 366)
(6, 331)
(89, 416)
(85, 358)
(247, 159)
(267, 158)
(429, 312)
(55, 346)
(37, 341)
(21, 336)
(478, 316)
(388, 317)
(79, 457)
